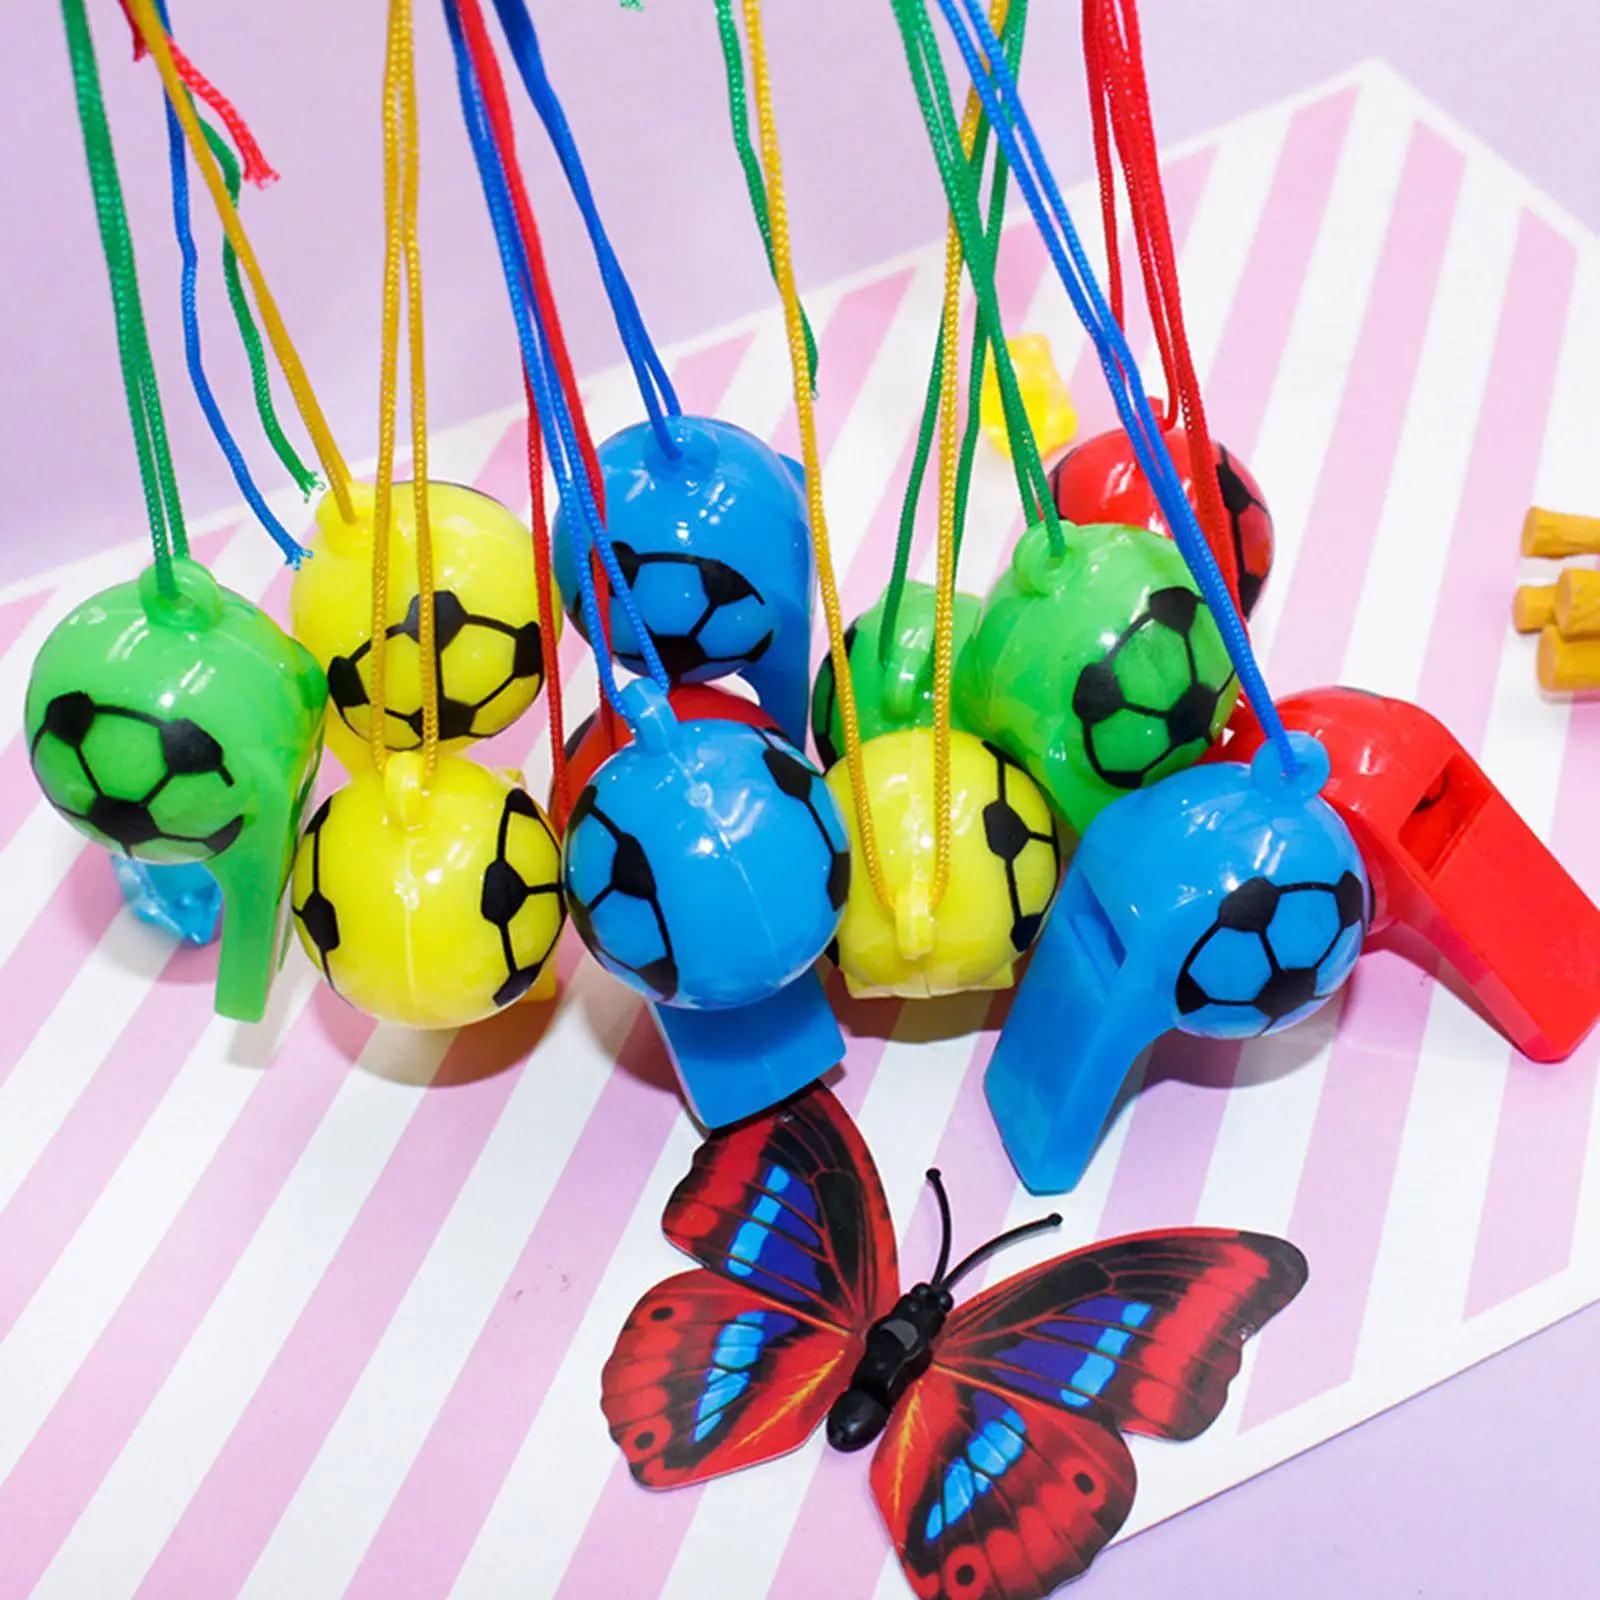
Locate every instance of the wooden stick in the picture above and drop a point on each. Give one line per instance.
(1577, 603)
(1568, 666)
(1559, 533)
(1533, 607)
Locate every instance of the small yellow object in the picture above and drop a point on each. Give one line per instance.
(1559, 533)
(1005, 863)
(486, 619)
(431, 902)
(1533, 607)
(1577, 604)
(1568, 666)
(1044, 398)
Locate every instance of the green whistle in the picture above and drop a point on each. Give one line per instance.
(185, 727)
(1100, 668)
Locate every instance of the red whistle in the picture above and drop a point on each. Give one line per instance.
(1451, 860)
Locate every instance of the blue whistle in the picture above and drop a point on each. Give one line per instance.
(706, 865)
(1227, 901)
(715, 546)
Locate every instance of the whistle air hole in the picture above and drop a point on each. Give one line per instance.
(1444, 813)
(1099, 940)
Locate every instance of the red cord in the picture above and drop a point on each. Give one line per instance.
(256, 169)
(1114, 60)
(487, 66)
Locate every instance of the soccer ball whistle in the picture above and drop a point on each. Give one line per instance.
(1227, 901)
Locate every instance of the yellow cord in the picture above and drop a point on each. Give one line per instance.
(945, 571)
(402, 253)
(154, 36)
(794, 323)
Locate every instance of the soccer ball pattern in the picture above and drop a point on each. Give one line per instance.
(1026, 843)
(662, 908)
(1148, 706)
(158, 789)
(706, 618)
(490, 668)
(825, 701)
(1249, 525)
(494, 915)
(1273, 954)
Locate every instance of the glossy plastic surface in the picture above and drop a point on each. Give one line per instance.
(182, 898)
(707, 866)
(1100, 481)
(431, 906)
(1226, 901)
(486, 618)
(1451, 860)
(1005, 864)
(185, 730)
(894, 693)
(1045, 398)
(717, 552)
(588, 746)
(1100, 671)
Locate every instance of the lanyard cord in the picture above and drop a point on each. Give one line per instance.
(988, 70)
(168, 537)
(148, 25)
(750, 162)
(1114, 59)
(1011, 37)
(402, 259)
(498, 108)
(177, 159)
(537, 329)
(655, 387)
(805, 413)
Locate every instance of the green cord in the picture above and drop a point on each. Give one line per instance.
(938, 113)
(260, 377)
(980, 267)
(168, 536)
(739, 116)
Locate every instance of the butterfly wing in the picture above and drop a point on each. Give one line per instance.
(1143, 1333)
(790, 1205)
(736, 1363)
(707, 1378)
(1003, 1473)
(989, 1495)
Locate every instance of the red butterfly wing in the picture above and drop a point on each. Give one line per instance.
(707, 1377)
(722, 1368)
(790, 1205)
(995, 1496)
(1003, 1474)
(1143, 1333)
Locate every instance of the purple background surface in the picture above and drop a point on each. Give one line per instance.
(1480, 1488)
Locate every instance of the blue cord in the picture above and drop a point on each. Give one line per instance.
(997, 88)
(655, 387)
(177, 154)
(554, 415)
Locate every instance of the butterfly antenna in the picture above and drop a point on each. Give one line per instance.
(984, 1251)
(937, 1184)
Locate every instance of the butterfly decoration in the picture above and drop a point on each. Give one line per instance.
(1001, 1470)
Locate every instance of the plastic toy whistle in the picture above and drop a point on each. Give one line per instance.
(707, 866)
(185, 727)
(1226, 901)
(1451, 860)
(715, 547)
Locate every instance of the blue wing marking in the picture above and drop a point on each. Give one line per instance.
(1099, 1367)
(738, 1348)
(753, 1234)
(989, 1455)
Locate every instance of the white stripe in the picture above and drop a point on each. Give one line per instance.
(169, 1454)
(1309, 385)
